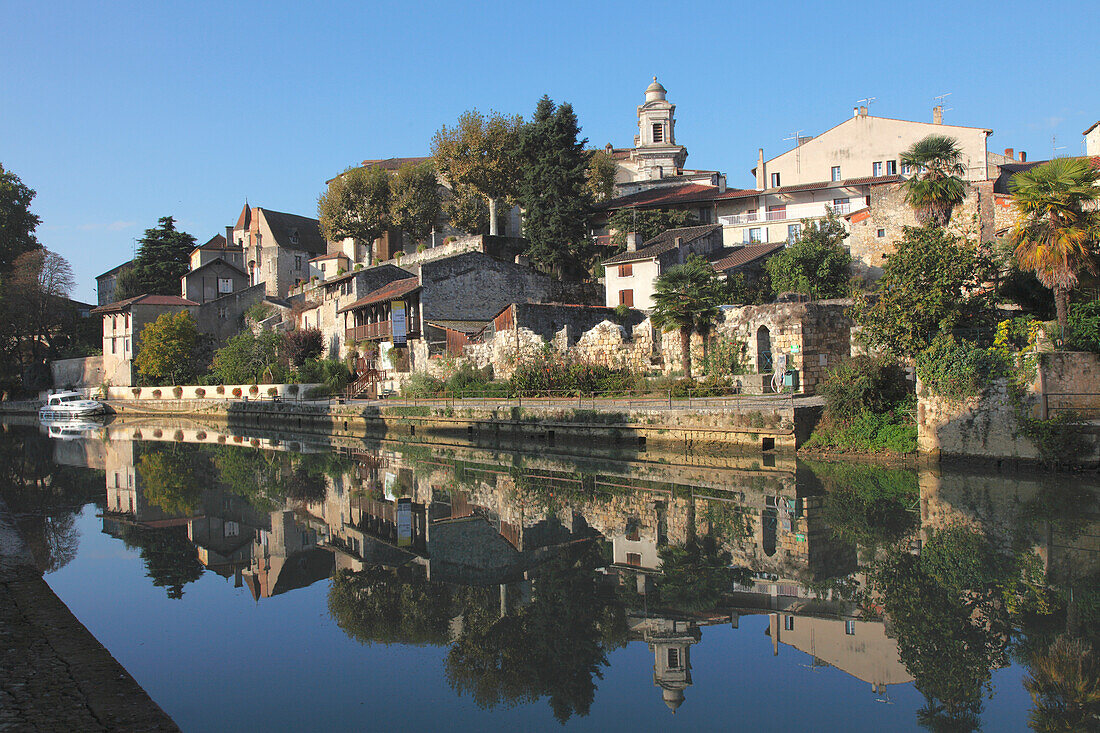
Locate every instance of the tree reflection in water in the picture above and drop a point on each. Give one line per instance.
(965, 577)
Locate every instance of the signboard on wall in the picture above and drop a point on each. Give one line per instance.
(397, 318)
(404, 522)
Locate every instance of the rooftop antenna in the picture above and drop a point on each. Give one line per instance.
(939, 99)
(867, 102)
(1055, 147)
(796, 135)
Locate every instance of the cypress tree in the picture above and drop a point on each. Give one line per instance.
(164, 256)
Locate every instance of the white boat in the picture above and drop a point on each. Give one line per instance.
(71, 429)
(69, 405)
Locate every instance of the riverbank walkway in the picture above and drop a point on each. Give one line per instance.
(54, 675)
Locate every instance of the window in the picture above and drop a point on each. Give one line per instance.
(673, 658)
(626, 297)
(891, 167)
(225, 285)
(794, 231)
(658, 133)
(881, 233)
(322, 267)
(841, 206)
(788, 623)
(905, 169)
(626, 270)
(294, 236)
(126, 346)
(112, 346)
(850, 627)
(836, 172)
(775, 180)
(633, 559)
(297, 262)
(876, 168)
(755, 235)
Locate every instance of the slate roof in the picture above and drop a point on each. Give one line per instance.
(746, 255)
(115, 269)
(217, 242)
(386, 293)
(143, 300)
(392, 164)
(211, 263)
(284, 225)
(664, 242)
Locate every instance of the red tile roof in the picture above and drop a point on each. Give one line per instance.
(245, 218)
(699, 193)
(386, 293)
(664, 242)
(217, 242)
(144, 300)
(746, 255)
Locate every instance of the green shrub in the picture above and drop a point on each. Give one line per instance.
(864, 384)
(1084, 327)
(421, 385)
(469, 379)
(332, 374)
(554, 374)
(960, 369)
(893, 432)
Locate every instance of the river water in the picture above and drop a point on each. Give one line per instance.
(255, 580)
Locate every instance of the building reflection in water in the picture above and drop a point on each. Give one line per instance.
(455, 517)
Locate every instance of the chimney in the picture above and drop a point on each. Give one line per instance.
(229, 236)
(632, 241)
(679, 242)
(761, 174)
(1010, 153)
(937, 114)
(855, 111)
(1023, 157)
(862, 111)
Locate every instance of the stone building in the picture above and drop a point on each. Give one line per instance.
(122, 325)
(630, 277)
(277, 247)
(212, 280)
(217, 248)
(107, 282)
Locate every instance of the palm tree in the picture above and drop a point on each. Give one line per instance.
(1056, 224)
(935, 187)
(686, 299)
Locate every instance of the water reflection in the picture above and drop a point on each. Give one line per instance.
(531, 569)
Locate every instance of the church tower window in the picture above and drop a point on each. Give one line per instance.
(658, 133)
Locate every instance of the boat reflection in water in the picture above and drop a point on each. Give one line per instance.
(531, 569)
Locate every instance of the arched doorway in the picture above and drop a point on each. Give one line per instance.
(770, 521)
(763, 350)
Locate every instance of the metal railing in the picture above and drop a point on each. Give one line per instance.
(1085, 405)
(777, 215)
(731, 398)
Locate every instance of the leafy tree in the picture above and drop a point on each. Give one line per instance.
(1057, 225)
(302, 345)
(686, 299)
(356, 205)
(936, 186)
(817, 264)
(170, 559)
(167, 348)
(164, 256)
(600, 181)
(416, 201)
(482, 153)
(929, 284)
(467, 210)
(1084, 327)
(17, 223)
(648, 223)
(864, 384)
(377, 605)
(694, 576)
(249, 358)
(172, 478)
(553, 190)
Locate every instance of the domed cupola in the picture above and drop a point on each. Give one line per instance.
(655, 92)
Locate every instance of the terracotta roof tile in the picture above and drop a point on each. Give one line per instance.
(745, 255)
(144, 300)
(386, 293)
(664, 242)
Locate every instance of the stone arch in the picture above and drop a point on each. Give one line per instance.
(763, 349)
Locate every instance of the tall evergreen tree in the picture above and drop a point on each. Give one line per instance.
(17, 223)
(554, 190)
(164, 256)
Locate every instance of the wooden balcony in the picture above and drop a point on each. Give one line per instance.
(371, 331)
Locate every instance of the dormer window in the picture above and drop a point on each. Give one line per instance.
(658, 133)
(294, 236)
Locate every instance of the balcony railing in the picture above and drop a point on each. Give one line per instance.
(745, 218)
(841, 209)
(368, 331)
(779, 215)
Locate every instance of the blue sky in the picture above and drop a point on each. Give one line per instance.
(120, 113)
